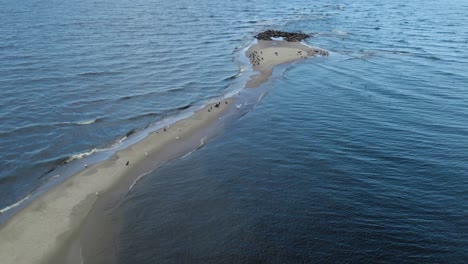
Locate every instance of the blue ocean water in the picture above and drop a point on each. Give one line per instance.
(360, 156)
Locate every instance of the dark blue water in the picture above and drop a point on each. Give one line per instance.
(79, 75)
(357, 157)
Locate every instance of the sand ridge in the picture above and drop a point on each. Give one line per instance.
(42, 229)
(34, 234)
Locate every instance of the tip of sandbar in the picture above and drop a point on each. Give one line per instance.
(288, 36)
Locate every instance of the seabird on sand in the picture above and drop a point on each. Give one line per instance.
(128, 162)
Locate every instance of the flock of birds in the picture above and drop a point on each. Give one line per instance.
(320, 52)
(257, 57)
(165, 129)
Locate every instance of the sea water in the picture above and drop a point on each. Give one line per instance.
(360, 156)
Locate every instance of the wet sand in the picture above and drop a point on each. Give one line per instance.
(46, 229)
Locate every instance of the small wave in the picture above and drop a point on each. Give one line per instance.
(142, 115)
(14, 205)
(184, 107)
(88, 122)
(81, 155)
(186, 155)
(82, 102)
(261, 97)
(131, 132)
(202, 143)
(33, 127)
(175, 89)
(233, 76)
(88, 74)
(136, 181)
(122, 139)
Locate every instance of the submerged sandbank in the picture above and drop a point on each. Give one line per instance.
(45, 229)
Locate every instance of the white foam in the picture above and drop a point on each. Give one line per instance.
(82, 155)
(122, 139)
(14, 205)
(86, 122)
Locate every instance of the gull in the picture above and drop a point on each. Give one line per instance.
(146, 153)
(238, 106)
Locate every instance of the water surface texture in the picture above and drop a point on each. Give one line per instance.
(358, 157)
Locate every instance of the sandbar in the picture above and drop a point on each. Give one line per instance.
(44, 228)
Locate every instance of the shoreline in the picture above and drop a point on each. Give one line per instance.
(48, 229)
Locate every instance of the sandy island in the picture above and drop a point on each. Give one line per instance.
(267, 54)
(44, 230)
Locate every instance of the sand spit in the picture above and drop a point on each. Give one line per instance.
(48, 229)
(267, 54)
(37, 233)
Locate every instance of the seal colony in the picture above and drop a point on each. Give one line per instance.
(270, 52)
(48, 229)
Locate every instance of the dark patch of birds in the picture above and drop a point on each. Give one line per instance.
(288, 36)
(255, 58)
(317, 52)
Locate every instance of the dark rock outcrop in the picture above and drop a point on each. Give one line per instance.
(288, 36)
